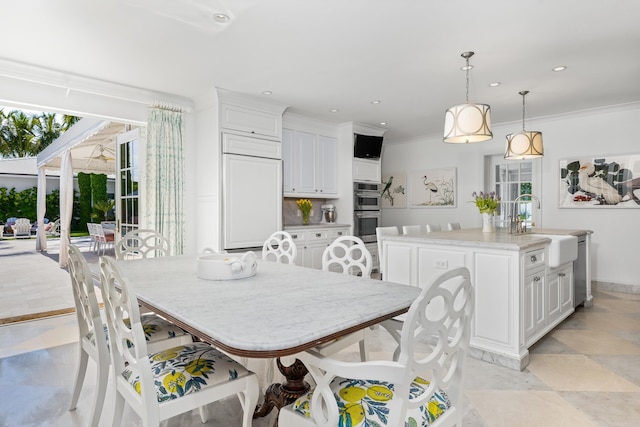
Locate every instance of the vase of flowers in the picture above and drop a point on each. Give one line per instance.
(487, 203)
(305, 206)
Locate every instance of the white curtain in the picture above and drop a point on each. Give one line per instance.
(165, 175)
(66, 206)
(41, 234)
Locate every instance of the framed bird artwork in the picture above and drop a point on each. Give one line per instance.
(600, 182)
(433, 188)
(394, 190)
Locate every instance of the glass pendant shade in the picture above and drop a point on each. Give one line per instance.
(467, 123)
(524, 145)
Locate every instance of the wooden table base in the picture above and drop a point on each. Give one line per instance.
(280, 395)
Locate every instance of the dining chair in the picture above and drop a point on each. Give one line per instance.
(279, 247)
(142, 243)
(422, 386)
(347, 255)
(103, 239)
(384, 231)
(412, 229)
(433, 227)
(160, 385)
(93, 337)
(453, 226)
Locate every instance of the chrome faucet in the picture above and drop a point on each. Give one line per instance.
(516, 223)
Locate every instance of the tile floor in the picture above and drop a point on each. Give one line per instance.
(584, 373)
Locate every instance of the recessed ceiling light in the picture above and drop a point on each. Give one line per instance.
(376, 101)
(334, 110)
(466, 67)
(560, 68)
(221, 18)
(494, 84)
(383, 123)
(266, 92)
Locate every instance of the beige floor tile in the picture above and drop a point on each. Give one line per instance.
(526, 409)
(576, 372)
(621, 305)
(606, 321)
(607, 409)
(595, 342)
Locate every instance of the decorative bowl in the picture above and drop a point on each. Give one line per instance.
(215, 266)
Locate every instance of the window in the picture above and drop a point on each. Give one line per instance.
(510, 179)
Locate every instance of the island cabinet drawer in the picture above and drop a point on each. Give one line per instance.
(334, 234)
(534, 259)
(317, 235)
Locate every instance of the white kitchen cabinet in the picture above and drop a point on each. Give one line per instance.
(367, 170)
(310, 164)
(311, 243)
(250, 120)
(533, 310)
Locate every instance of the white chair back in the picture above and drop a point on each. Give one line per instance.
(384, 231)
(433, 227)
(279, 247)
(453, 226)
(142, 243)
(92, 339)
(433, 377)
(22, 228)
(412, 229)
(348, 254)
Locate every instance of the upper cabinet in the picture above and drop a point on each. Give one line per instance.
(310, 164)
(250, 116)
(367, 170)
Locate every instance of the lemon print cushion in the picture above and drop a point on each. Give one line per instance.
(365, 403)
(186, 369)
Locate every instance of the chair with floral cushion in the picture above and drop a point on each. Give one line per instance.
(279, 247)
(161, 385)
(93, 338)
(422, 387)
(347, 255)
(142, 243)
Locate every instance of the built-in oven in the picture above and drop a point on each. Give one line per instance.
(366, 196)
(365, 224)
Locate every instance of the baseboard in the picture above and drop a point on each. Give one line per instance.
(34, 316)
(615, 287)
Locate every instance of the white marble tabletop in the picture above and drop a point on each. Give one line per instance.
(282, 310)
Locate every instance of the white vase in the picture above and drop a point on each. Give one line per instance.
(487, 223)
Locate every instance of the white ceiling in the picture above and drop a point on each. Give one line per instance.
(315, 55)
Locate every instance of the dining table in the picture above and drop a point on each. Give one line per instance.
(280, 311)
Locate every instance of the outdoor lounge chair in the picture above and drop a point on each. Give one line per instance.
(22, 228)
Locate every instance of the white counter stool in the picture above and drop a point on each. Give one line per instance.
(161, 385)
(384, 231)
(349, 255)
(93, 339)
(419, 387)
(412, 229)
(433, 227)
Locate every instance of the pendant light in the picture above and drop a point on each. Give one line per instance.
(467, 122)
(526, 144)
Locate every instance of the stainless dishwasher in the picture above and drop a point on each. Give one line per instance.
(580, 273)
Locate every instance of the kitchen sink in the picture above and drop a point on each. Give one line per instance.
(562, 248)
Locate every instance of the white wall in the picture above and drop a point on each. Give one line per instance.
(615, 242)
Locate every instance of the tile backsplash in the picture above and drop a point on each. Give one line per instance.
(290, 211)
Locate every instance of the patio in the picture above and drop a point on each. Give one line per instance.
(33, 285)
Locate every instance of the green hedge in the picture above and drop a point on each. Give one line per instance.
(23, 204)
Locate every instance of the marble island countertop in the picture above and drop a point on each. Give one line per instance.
(314, 226)
(474, 237)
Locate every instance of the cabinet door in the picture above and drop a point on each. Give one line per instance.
(326, 165)
(315, 254)
(533, 301)
(565, 277)
(249, 120)
(553, 308)
(304, 167)
(287, 161)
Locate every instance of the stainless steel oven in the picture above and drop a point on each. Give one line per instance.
(366, 196)
(365, 224)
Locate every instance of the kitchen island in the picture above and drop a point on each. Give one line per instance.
(519, 297)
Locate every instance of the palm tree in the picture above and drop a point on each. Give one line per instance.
(16, 135)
